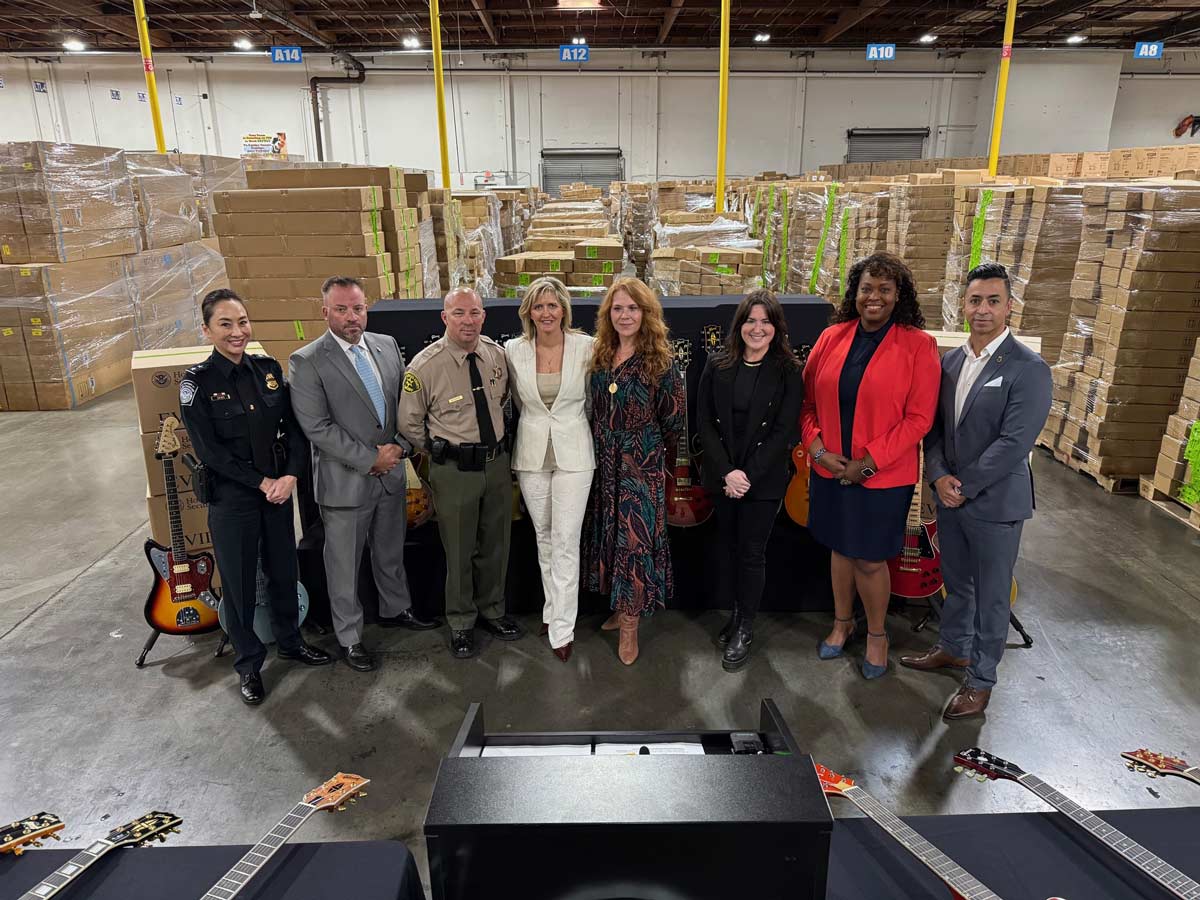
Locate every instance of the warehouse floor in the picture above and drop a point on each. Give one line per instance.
(1109, 594)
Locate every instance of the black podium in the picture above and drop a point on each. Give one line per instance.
(644, 826)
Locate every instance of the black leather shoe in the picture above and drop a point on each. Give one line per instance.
(737, 651)
(504, 628)
(253, 691)
(462, 643)
(307, 654)
(409, 619)
(358, 658)
(726, 633)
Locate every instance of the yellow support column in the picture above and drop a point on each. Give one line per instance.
(435, 28)
(143, 27)
(722, 106)
(1010, 19)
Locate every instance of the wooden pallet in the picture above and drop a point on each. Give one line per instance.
(1172, 506)
(1112, 484)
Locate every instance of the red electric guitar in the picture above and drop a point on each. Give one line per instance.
(917, 571)
(687, 503)
(1154, 764)
(181, 600)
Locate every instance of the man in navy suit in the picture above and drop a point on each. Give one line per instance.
(995, 396)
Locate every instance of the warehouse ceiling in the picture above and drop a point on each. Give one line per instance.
(365, 25)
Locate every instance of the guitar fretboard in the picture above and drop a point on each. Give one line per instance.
(960, 880)
(237, 877)
(64, 874)
(178, 546)
(1192, 774)
(1164, 873)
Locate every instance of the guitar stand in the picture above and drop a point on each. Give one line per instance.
(153, 639)
(935, 612)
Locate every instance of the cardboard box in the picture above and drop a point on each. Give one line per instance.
(336, 223)
(283, 310)
(72, 246)
(327, 245)
(600, 249)
(308, 266)
(272, 331)
(580, 279)
(20, 397)
(156, 378)
(1138, 280)
(304, 287)
(332, 177)
(315, 199)
(193, 517)
(79, 387)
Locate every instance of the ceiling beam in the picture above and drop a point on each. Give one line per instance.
(669, 17)
(1182, 25)
(94, 15)
(486, 18)
(1035, 18)
(848, 18)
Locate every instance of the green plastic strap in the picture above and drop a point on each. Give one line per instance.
(1190, 493)
(756, 219)
(556, 265)
(770, 225)
(593, 252)
(607, 267)
(298, 327)
(819, 256)
(985, 202)
(843, 247)
(376, 225)
(783, 241)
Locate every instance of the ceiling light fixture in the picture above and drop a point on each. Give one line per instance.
(411, 43)
(927, 38)
(762, 38)
(1076, 39)
(74, 46)
(255, 12)
(243, 44)
(579, 41)
(578, 4)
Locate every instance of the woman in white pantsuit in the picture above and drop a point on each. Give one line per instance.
(553, 457)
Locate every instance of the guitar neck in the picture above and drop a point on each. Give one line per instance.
(1191, 774)
(67, 872)
(178, 545)
(1165, 874)
(955, 876)
(249, 865)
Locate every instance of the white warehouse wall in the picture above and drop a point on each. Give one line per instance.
(787, 113)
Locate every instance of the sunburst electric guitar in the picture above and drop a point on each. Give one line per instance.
(181, 600)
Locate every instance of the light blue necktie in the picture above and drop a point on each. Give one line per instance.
(370, 382)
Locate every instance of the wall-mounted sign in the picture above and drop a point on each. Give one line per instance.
(287, 55)
(1, 82)
(142, 98)
(114, 94)
(178, 100)
(1148, 50)
(573, 52)
(39, 87)
(881, 52)
(263, 144)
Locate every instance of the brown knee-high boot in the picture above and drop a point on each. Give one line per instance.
(627, 648)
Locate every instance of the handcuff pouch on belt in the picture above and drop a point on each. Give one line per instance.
(202, 479)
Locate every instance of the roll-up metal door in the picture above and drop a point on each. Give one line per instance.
(596, 166)
(884, 144)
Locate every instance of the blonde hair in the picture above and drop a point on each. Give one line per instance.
(537, 287)
(652, 338)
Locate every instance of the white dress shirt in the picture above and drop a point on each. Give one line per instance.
(348, 349)
(971, 368)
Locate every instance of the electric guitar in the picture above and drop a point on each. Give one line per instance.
(687, 503)
(262, 606)
(418, 499)
(333, 794)
(917, 571)
(795, 501)
(1155, 764)
(978, 763)
(962, 884)
(152, 826)
(181, 600)
(29, 832)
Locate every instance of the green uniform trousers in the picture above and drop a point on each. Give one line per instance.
(474, 516)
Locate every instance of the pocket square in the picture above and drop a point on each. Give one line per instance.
(995, 382)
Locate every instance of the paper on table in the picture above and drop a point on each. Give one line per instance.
(539, 750)
(685, 748)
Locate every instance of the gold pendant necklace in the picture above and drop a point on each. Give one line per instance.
(612, 388)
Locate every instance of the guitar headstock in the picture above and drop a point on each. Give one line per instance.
(681, 350)
(168, 442)
(339, 789)
(152, 826)
(831, 782)
(980, 764)
(1154, 764)
(29, 832)
(711, 337)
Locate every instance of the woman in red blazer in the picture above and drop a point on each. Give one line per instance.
(871, 389)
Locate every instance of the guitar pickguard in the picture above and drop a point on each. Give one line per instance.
(159, 560)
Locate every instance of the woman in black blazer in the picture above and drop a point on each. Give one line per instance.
(749, 420)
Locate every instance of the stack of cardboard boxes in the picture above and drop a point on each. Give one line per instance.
(586, 267)
(1177, 471)
(515, 210)
(578, 190)
(209, 175)
(683, 197)
(483, 243)
(636, 220)
(445, 214)
(701, 270)
(920, 230)
(1136, 358)
(865, 231)
(168, 212)
(566, 219)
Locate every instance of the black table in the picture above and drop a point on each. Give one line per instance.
(797, 567)
(362, 870)
(1020, 856)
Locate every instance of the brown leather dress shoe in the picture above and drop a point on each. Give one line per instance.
(564, 652)
(545, 629)
(934, 658)
(968, 703)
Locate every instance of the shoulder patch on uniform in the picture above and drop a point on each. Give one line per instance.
(412, 383)
(187, 392)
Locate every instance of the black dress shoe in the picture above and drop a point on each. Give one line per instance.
(462, 643)
(307, 654)
(253, 691)
(737, 651)
(408, 619)
(358, 658)
(504, 628)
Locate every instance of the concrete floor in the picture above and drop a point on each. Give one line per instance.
(1109, 591)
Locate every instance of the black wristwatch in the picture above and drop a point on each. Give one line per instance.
(867, 472)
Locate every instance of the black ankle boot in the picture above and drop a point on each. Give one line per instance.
(737, 651)
(726, 633)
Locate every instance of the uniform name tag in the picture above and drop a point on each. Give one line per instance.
(455, 399)
(219, 395)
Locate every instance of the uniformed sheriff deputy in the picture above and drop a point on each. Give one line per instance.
(452, 403)
(239, 417)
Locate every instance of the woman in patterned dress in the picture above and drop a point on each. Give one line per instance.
(637, 411)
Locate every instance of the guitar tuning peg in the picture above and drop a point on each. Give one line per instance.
(56, 837)
(958, 770)
(17, 851)
(362, 793)
(342, 808)
(352, 800)
(981, 778)
(174, 831)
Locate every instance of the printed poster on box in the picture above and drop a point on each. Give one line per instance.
(264, 144)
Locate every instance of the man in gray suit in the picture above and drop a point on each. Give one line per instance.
(995, 396)
(345, 393)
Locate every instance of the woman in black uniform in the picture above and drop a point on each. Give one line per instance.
(748, 412)
(239, 417)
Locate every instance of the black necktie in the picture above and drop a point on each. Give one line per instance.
(487, 433)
